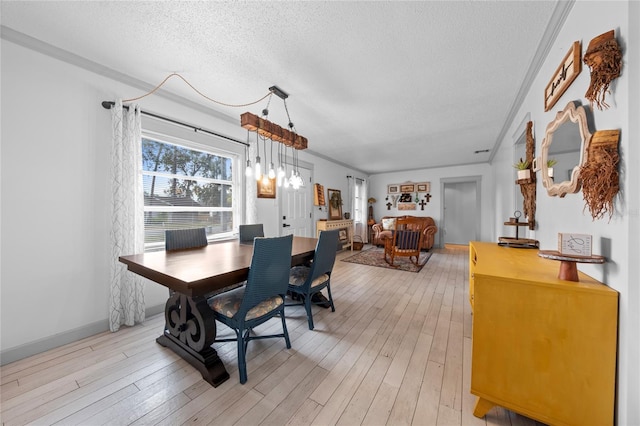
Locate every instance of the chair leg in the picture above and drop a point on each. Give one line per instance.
(242, 357)
(284, 330)
(307, 306)
(333, 308)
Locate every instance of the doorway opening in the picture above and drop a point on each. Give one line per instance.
(460, 210)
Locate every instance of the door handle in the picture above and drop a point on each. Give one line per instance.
(285, 225)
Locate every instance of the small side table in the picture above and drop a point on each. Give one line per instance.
(568, 263)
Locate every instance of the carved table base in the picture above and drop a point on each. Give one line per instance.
(190, 330)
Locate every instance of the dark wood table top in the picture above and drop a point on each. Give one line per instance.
(199, 271)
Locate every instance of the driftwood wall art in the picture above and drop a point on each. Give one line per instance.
(528, 186)
(600, 179)
(604, 59)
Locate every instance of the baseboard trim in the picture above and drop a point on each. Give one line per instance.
(51, 342)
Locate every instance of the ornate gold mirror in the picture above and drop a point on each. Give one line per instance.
(566, 142)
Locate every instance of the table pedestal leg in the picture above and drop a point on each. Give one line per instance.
(190, 329)
(568, 271)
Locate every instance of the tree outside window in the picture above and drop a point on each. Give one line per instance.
(185, 188)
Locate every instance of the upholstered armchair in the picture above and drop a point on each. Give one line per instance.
(382, 230)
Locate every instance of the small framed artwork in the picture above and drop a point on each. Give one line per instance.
(268, 189)
(406, 206)
(566, 72)
(393, 189)
(407, 187)
(335, 204)
(423, 187)
(342, 235)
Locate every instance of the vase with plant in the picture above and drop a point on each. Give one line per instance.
(550, 163)
(522, 167)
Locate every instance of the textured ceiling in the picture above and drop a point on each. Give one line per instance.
(381, 86)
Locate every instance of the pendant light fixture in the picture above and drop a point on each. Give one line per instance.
(286, 137)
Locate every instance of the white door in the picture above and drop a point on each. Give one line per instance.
(296, 208)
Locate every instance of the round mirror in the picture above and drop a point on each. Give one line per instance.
(564, 150)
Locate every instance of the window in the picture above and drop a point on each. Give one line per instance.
(187, 186)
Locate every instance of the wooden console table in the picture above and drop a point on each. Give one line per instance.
(541, 346)
(346, 224)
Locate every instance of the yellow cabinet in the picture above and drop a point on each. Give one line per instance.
(542, 347)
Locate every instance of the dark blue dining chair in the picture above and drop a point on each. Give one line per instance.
(180, 239)
(306, 281)
(261, 299)
(250, 231)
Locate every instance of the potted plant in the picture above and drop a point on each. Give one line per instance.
(550, 163)
(523, 169)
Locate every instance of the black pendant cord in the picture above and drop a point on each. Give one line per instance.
(109, 104)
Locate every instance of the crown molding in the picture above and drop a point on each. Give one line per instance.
(558, 18)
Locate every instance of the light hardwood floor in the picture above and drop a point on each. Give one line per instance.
(396, 351)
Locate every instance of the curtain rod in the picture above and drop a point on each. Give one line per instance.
(109, 104)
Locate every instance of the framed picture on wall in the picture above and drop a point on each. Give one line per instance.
(407, 187)
(393, 189)
(335, 204)
(423, 187)
(268, 189)
(566, 72)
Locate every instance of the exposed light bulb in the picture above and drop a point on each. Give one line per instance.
(281, 172)
(258, 169)
(265, 179)
(249, 170)
(272, 172)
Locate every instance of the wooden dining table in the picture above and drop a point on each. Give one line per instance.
(193, 274)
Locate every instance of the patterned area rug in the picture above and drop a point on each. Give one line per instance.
(375, 257)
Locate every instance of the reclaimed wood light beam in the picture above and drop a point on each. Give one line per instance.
(270, 130)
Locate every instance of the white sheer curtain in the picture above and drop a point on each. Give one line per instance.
(127, 216)
(361, 208)
(251, 189)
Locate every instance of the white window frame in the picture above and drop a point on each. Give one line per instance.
(169, 133)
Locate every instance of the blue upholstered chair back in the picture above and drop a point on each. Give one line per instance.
(269, 272)
(325, 255)
(250, 231)
(179, 239)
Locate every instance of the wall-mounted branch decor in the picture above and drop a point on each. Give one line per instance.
(567, 71)
(600, 180)
(604, 58)
(528, 186)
